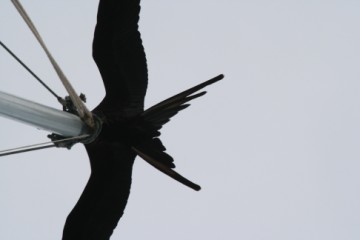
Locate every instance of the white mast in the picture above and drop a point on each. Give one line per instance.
(41, 116)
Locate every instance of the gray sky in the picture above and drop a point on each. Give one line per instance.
(275, 146)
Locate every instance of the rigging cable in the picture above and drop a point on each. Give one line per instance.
(33, 147)
(31, 72)
(83, 112)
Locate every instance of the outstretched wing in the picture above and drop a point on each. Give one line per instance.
(105, 196)
(120, 57)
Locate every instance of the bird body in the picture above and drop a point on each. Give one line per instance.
(127, 130)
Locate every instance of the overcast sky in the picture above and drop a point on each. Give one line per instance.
(275, 146)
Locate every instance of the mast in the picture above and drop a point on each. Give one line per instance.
(41, 116)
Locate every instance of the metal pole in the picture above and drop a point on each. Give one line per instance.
(41, 116)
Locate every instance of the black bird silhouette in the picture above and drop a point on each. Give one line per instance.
(127, 130)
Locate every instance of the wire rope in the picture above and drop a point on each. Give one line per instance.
(43, 145)
(83, 112)
(30, 71)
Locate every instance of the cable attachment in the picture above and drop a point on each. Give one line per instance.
(66, 142)
(61, 141)
(68, 105)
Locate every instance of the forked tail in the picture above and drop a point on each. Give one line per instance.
(152, 150)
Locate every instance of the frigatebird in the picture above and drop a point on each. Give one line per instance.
(126, 129)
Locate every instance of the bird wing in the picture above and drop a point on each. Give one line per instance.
(120, 57)
(105, 196)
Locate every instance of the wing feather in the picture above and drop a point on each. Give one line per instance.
(120, 57)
